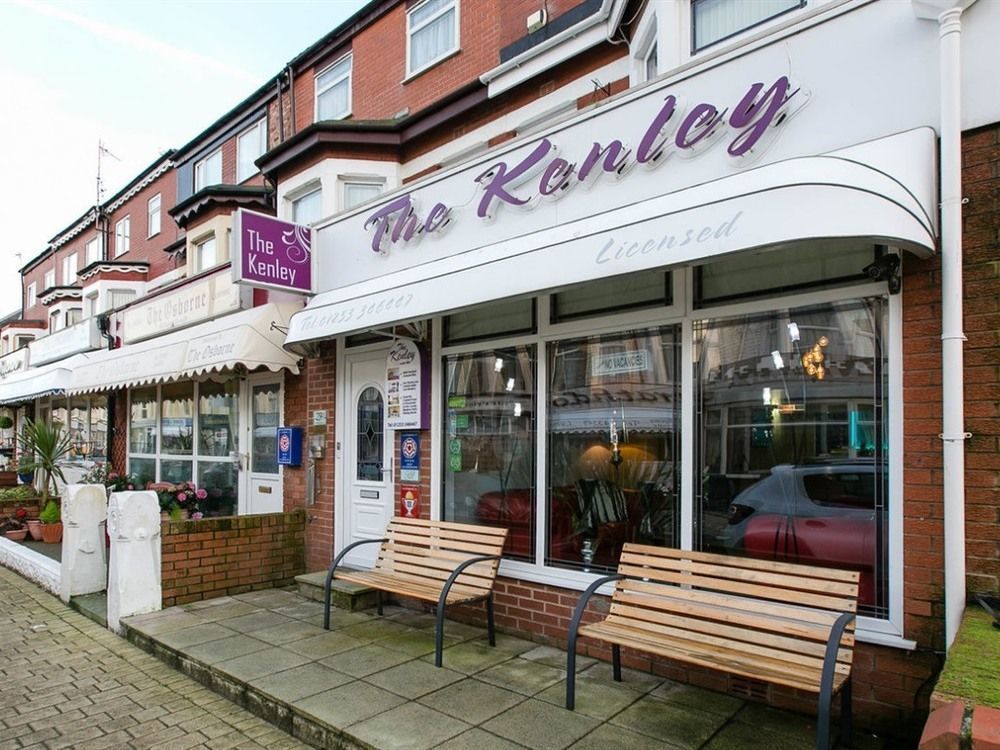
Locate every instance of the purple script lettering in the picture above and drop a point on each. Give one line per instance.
(398, 219)
(755, 117)
(496, 178)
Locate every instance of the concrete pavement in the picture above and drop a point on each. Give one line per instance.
(67, 683)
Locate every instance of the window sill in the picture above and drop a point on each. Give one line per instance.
(431, 65)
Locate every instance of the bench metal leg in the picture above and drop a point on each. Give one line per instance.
(571, 671)
(491, 630)
(616, 662)
(378, 602)
(826, 683)
(574, 626)
(439, 634)
(846, 716)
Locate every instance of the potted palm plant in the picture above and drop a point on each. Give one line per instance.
(43, 446)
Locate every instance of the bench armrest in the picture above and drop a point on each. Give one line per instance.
(329, 576)
(443, 599)
(829, 667)
(581, 606)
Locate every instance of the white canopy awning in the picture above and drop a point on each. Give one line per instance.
(36, 382)
(882, 190)
(250, 337)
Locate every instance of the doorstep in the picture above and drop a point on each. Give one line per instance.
(343, 594)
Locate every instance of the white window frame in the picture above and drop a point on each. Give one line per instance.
(259, 129)
(123, 232)
(695, 49)
(453, 5)
(198, 265)
(92, 251)
(201, 168)
(70, 266)
(889, 631)
(347, 75)
(151, 213)
(305, 191)
(31, 296)
(50, 279)
(644, 43)
(346, 180)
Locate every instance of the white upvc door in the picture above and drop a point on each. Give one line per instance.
(367, 454)
(260, 476)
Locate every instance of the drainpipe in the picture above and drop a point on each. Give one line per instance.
(948, 14)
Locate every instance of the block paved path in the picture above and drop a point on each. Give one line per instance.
(65, 682)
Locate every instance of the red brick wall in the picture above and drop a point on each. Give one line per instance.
(296, 415)
(981, 254)
(217, 557)
(378, 88)
(142, 247)
(321, 394)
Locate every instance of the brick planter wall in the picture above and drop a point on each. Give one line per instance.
(216, 557)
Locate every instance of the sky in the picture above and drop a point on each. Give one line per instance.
(139, 77)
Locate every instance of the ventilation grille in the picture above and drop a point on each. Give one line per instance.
(742, 687)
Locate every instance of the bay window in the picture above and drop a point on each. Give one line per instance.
(187, 432)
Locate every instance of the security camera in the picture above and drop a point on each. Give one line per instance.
(884, 268)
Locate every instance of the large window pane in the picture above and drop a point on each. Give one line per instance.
(266, 408)
(142, 421)
(218, 418)
(177, 423)
(791, 409)
(99, 428)
(715, 20)
(143, 469)
(490, 447)
(77, 428)
(218, 479)
(614, 420)
(175, 471)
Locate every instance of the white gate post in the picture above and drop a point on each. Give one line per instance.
(84, 566)
(134, 584)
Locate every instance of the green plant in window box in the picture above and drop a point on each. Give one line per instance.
(6, 422)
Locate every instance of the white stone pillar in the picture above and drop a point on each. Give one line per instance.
(84, 567)
(134, 580)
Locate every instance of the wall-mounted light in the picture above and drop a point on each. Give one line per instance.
(779, 362)
(510, 384)
(766, 395)
(498, 365)
(793, 332)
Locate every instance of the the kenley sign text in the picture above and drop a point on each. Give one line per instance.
(543, 174)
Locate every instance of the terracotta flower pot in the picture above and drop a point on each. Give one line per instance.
(52, 532)
(16, 536)
(35, 529)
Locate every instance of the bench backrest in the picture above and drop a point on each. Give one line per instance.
(781, 611)
(428, 551)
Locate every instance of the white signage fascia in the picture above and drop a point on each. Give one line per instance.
(81, 337)
(16, 361)
(846, 106)
(190, 304)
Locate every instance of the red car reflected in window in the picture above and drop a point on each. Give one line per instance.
(820, 514)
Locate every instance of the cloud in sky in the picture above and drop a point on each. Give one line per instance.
(141, 42)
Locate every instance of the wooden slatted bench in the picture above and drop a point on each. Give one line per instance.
(776, 622)
(432, 561)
